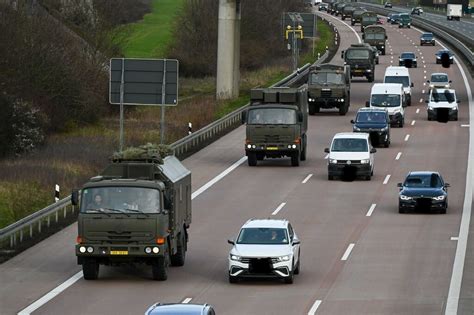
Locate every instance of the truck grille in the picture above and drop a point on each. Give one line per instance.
(326, 93)
(272, 139)
(126, 237)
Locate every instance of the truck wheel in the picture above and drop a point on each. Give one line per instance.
(387, 144)
(303, 152)
(90, 269)
(383, 51)
(401, 123)
(159, 269)
(370, 78)
(352, 23)
(343, 109)
(312, 109)
(295, 159)
(252, 158)
(180, 256)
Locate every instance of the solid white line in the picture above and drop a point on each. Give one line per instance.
(218, 177)
(353, 30)
(306, 179)
(454, 238)
(186, 300)
(387, 178)
(413, 123)
(371, 209)
(465, 126)
(398, 156)
(407, 137)
(279, 208)
(348, 251)
(314, 308)
(417, 110)
(51, 294)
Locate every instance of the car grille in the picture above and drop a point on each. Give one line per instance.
(326, 93)
(247, 260)
(352, 162)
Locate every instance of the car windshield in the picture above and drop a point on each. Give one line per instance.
(397, 79)
(445, 96)
(326, 77)
(371, 117)
(120, 199)
(423, 181)
(439, 78)
(408, 55)
(439, 53)
(385, 100)
(349, 145)
(265, 236)
(378, 36)
(357, 54)
(270, 116)
(427, 36)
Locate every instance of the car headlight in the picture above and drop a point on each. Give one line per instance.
(431, 86)
(403, 197)
(293, 146)
(369, 70)
(446, 85)
(365, 161)
(284, 258)
(82, 249)
(333, 161)
(356, 129)
(430, 107)
(249, 146)
(408, 24)
(439, 198)
(384, 129)
(235, 258)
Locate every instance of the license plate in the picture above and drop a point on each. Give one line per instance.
(358, 70)
(272, 148)
(119, 252)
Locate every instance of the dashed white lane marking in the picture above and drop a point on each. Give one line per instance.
(315, 307)
(424, 83)
(454, 238)
(187, 300)
(465, 126)
(422, 91)
(279, 208)
(421, 100)
(417, 110)
(306, 179)
(387, 178)
(424, 77)
(413, 122)
(348, 251)
(424, 71)
(407, 137)
(371, 210)
(398, 156)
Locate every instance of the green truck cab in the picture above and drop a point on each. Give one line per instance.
(357, 16)
(276, 123)
(339, 7)
(368, 18)
(137, 210)
(362, 59)
(404, 20)
(329, 86)
(376, 36)
(347, 11)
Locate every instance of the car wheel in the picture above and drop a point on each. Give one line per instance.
(330, 177)
(437, 61)
(429, 118)
(90, 269)
(297, 269)
(233, 279)
(159, 269)
(368, 177)
(401, 210)
(401, 123)
(289, 279)
(386, 144)
(442, 211)
(455, 117)
(252, 158)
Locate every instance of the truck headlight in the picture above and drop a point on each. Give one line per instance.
(403, 197)
(369, 70)
(284, 258)
(156, 250)
(235, 258)
(431, 86)
(148, 250)
(249, 146)
(82, 249)
(333, 161)
(365, 161)
(294, 146)
(90, 249)
(439, 198)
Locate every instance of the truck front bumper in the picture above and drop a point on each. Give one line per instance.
(107, 253)
(272, 150)
(327, 102)
(361, 72)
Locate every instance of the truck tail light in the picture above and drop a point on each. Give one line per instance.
(79, 239)
(160, 240)
(297, 140)
(247, 141)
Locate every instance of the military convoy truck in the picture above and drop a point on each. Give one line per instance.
(347, 11)
(329, 86)
(376, 36)
(137, 210)
(368, 18)
(276, 123)
(339, 6)
(362, 59)
(357, 16)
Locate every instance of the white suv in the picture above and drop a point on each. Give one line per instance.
(265, 248)
(351, 152)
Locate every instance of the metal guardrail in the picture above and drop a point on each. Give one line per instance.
(36, 224)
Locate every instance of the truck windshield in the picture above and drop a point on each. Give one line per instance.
(349, 145)
(442, 97)
(120, 199)
(385, 100)
(357, 54)
(397, 79)
(369, 19)
(257, 236)
(269, 116)
(377, 36)
(326, 78)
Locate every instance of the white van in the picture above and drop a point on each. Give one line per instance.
(400, 75)
(389, 96)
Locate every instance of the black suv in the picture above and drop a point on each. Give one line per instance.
(407, 59)
(375, 122)
(427, 38)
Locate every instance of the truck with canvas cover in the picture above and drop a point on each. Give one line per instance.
(339, 7)
(276, 123)
(347, 12)
(368, 18)
(357, 16)
(137, 210)
(375, 36)
(362, 59)
(329, 86)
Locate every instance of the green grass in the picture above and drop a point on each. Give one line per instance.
(151, 37)
(326, 38)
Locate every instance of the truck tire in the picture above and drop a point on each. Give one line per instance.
(383, 51)
(303, 153)
(90, 269)
(252, 158)
(159, 269)
(343, 109)
(312, 108)
(371, 78)
(295, 159)
(178, 259)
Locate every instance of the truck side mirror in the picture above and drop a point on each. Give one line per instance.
(75, 197)
(300, 117)
(386, 37)
(244, 117)
(367, 104)
(342, 54)
(326, 150)
(352, 121)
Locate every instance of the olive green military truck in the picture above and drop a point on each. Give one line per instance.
(357, 16)
(276, 123)
(375, 36)
(368, 18)
(137, 210)
(338, 8)
(329, 86)
(347, 12)
(362, 59)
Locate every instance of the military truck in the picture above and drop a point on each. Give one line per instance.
(368, 18)
(375, 36)
(339, 7)
(137, 210)
(347, 11)
(329, 86)
(276, 124)
(362, 59)
(331, 4)
(357, 16)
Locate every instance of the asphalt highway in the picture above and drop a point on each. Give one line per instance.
(359, 255)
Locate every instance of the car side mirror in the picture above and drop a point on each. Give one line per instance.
(412, 85)
(296, 242)
(399, 185)
(428, 81)
(75, 197)
(244, 117)
(386, 37)
(373, 150)
(232, 242)
(458, 101)
(427, 101)
(326, 150)
(367, 104)
(300, 117)
(450, 81)
(342, 54)
(446, 185)
(352, 121)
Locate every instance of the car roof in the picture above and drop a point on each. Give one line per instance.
(444, 91)
(408, 52)
(371, 110)
(353, 135)
(266, 223)
(418, 173)
(176, 308)
(396, 70)
(387, 87)
(439, 73)
(427, 34)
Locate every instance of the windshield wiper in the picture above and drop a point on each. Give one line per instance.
(137, 211)
(98, 210)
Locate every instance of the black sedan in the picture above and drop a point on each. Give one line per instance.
(444, 54)
(427, 39)
(408, 59)
(423, 191)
